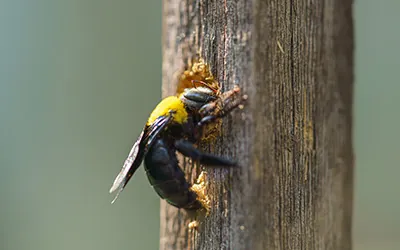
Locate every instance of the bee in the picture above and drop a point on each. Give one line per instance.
(176, 125)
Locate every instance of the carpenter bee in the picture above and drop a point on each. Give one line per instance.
(176, 124)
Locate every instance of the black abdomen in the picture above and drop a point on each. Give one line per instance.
(167, 178)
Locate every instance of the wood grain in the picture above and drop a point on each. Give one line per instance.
(294, 59)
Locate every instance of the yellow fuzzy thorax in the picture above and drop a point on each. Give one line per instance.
(171, 103)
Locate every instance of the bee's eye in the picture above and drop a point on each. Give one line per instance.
(201, 95)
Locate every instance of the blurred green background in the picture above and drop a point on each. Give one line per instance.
(78, 79)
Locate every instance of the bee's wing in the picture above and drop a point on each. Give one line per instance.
(138, 151)
(131, 163)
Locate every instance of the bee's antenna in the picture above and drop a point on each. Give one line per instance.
(205, 84)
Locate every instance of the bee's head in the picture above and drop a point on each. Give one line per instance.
(196, 97)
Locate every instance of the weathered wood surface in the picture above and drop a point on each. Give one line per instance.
(294, 189)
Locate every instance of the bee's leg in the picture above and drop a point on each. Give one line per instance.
(189, 150)
(220, 108)
(212, 117)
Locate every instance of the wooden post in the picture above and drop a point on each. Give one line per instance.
(294, 59)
